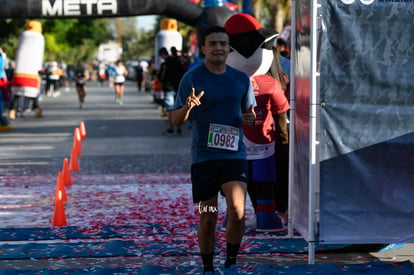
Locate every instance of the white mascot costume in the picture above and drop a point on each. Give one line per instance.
(252, 53)
(29, 59)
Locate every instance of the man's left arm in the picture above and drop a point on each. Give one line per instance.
(248, 113)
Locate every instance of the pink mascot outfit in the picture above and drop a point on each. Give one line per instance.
(252, 53)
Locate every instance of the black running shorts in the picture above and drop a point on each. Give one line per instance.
(208, 176)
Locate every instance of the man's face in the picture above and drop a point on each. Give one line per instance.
(216, 48)
(281, 48)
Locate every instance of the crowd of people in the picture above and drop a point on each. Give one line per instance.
(57, 77)
(53, 77)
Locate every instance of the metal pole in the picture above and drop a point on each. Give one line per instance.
(292, 118)
(312, 133)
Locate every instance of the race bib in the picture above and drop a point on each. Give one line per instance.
(223, 137)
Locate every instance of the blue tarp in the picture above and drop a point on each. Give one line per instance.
(367, 122)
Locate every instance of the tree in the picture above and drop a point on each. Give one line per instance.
(272, 13)
(74, 40)
(138, 44)
(71, 40)
(142, 46)
(10, 31)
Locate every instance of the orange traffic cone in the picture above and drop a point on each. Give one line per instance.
(77, 142)
(82, 130)
(59, 217)
(73, 164)
(66, 173)
(60, 187)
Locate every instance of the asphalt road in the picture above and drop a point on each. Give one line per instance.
(128, 133)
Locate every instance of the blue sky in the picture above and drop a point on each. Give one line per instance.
(146, 21)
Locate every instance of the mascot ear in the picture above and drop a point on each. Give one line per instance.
(247, 35)
(241, 23)
(246, 43)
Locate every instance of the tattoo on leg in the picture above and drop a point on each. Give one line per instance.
(206, 208)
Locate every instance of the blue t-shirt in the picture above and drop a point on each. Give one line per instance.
(225, 96)
(285, 63)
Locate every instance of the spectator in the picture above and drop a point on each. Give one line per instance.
(272, 105)
(101, 73)
(139, 76)
(169, 75)
(111, 73)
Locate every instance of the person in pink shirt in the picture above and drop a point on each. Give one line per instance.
(256, 58)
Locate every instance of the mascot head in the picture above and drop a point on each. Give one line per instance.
(251, 44)
(34, 26)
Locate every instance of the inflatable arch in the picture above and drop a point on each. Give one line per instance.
(215, 13)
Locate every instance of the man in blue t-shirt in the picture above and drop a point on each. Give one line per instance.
(217, 99)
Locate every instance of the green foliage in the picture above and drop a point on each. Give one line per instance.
(140, 46)
(10, 31)
(77, 40)
(72, 40)
(271, 13)
(96, 30)
(185, 31)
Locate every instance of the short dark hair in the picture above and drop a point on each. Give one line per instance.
(174, 51)
(163, 50)
(281, 42)
(212, 29)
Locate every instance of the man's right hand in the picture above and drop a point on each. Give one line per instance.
(194, 100)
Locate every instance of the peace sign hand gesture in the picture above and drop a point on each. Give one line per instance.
(181, 114)
(193, 100)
